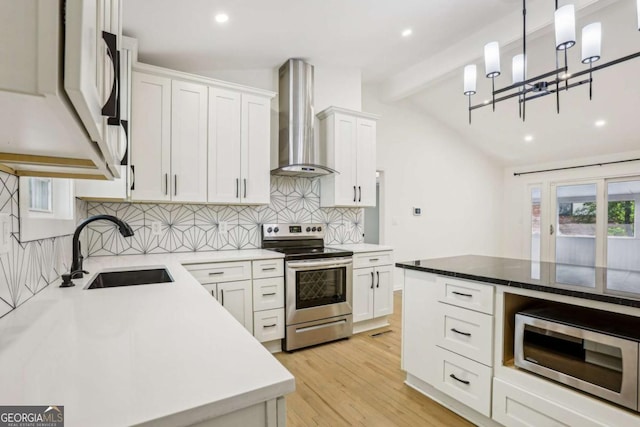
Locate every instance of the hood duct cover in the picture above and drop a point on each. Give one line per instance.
(299, 154)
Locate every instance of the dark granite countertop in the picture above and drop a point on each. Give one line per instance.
(620, 287)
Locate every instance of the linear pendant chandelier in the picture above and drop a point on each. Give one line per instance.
(551, 82)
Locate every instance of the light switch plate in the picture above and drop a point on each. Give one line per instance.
(5, 232)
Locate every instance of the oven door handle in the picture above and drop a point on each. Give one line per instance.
(315, 264)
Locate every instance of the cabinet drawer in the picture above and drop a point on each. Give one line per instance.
(268, 268)
(473, 296)
(513, 406)
(268, 325)
(465, 332)
(268, 293)
(464, 380)
(372, 259)
(220, 271)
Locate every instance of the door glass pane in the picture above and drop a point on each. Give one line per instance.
(535, 224)
(623, 246)
(575, 240)
(321, 287)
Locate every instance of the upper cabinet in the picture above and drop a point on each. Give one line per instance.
(198, 140)
(60, 118)
(349, 138)
(239, 135)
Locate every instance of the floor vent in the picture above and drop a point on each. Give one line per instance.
(377, 334)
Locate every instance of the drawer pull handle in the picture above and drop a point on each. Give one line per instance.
(215, 273)
(374, 259)
(466, 334)
(372, 280)
(269, 269)
(270, 326)
(462, 294)
(269, 294)
(459, 380)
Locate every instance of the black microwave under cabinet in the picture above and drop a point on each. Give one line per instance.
(590, 350)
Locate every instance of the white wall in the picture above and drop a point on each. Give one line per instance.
(427, 165)
(516, 228)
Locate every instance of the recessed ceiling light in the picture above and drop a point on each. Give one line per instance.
(407, 32)
(600, 123)
(221, 18)
(528, 138)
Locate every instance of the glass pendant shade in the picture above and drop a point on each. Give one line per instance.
(591, 42)
(492, 59)
(518, 69)
(470, 79)
(565, 23)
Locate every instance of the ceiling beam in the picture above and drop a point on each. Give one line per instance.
(506, 30)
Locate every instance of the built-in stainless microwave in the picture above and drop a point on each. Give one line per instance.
(592, 353)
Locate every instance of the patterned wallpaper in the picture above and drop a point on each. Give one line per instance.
(189, 228)
(31, 266)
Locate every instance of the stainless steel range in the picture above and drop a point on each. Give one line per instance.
(318, 284)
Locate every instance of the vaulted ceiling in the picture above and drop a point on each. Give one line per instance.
(425, 68)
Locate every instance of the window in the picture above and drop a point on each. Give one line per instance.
(623, 246)
(40, 195)
(47, 208)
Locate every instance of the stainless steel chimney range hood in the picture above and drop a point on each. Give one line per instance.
(299, 154)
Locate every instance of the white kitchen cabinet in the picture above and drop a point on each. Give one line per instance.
(150, 137)
(349, 138)
(372, 285)
(372, 292)
(54, 85)
(118, 189)
(236, 298)
(239, 144)
(188, 142)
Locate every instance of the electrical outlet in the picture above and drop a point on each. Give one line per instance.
(5, 232)
(223, 227)
(156, 228)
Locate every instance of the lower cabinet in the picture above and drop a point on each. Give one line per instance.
(372, 286)
(513, 406)
(236, 298)
(252, 291)
(464, 379)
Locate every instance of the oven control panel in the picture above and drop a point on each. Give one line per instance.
(292, 231)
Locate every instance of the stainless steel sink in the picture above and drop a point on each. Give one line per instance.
(114, 279)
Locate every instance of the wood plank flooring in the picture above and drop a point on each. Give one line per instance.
(359, 382)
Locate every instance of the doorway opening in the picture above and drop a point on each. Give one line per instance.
(373, 216)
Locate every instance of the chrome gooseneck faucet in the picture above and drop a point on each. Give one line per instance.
(76, 262)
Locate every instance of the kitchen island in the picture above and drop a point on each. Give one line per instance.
(459, 345)
(160, 354)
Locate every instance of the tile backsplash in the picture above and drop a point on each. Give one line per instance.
(29, 267)
(193, 227)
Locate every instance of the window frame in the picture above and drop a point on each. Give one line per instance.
(37, 225)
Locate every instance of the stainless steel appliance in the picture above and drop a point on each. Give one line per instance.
(590, 350)
(318, 284)
(300, 154)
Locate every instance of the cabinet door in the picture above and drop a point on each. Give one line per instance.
(236, 298)
(383, 296)
(345, 146)
(363, 285)
(224, 146)
(188, 142)
(366, 162)
(150, 137)
(212, 289)
(254, 155)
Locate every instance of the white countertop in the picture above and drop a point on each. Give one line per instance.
(136, 354)
(362, 247)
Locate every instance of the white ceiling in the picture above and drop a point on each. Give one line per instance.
(363, 34)
(426, 68)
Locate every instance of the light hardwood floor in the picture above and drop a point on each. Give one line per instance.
(359, 382)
